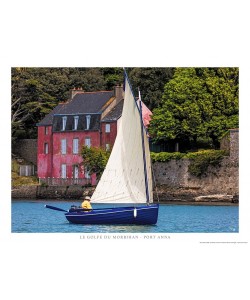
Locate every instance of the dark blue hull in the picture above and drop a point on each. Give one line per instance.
(141, 215)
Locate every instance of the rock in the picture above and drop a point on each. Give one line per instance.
(235, 199)
(214, 198)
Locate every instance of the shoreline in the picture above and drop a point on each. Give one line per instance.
(208, 203)
(165, 195)
(166, 202)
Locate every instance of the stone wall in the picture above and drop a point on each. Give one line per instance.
(174, 181)
(27, 149)
(230, 142)
(50, 192)
(234, 144)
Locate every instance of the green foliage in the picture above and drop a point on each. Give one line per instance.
(36, 91)
(112, 77)
(198, 104)
(200, 161)
(17, 180)
(166, 156)
(95, 159)
(14, 166)
(151, 82)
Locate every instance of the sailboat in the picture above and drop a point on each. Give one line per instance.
(127, 178)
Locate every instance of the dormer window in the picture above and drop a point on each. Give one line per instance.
(76, 119)
(64, 121)
(88, 117)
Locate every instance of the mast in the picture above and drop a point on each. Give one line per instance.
(125, 179)
(143, 150)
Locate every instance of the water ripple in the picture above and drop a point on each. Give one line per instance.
(31, 216)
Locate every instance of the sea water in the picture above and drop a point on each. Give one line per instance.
(31, 216)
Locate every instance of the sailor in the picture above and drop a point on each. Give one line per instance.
(86, 203)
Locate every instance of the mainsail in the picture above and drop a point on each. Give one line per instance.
(123, 180)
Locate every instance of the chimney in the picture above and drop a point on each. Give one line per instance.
(75, 91)
(119, 93)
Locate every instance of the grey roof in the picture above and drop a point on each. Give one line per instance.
(115, 113)
(82, 103)
(87, 103)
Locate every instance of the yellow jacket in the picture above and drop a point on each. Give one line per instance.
(86, 205)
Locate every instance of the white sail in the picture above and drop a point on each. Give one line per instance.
(123, 180)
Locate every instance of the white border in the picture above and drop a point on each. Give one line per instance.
(124, 33)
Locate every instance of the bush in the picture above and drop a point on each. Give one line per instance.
(95, 159)
(166, 156)
(200, 161)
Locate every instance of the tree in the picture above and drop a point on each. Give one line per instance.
(30, 100)
(95, 159)
(151, 82)
(112, 77)
(36, 91)
(198, 105)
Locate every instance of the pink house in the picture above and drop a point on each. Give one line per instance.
(88, 118)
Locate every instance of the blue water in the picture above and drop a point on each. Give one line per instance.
(31, 216)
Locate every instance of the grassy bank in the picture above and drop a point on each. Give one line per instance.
(16, 179)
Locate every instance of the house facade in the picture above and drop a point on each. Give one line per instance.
(83, 120)
(88, 118)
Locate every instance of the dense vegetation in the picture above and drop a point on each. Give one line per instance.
(193, 107)
(95, 159)
(36, 91)
(198, 105)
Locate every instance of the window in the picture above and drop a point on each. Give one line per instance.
(64, 121)
(87, 142)
(107, 147)
(63, 171)
(75, 171)
(76, 119)
(63, 146)
(46, 148)
(46, 130)
(107, 128)
(86, 171)
(88, 117)
(75, 146)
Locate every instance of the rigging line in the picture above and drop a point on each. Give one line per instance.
(144, 156)
(153, 173)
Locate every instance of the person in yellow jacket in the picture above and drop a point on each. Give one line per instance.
(86, 203)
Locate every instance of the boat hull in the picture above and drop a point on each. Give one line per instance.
(141, 215)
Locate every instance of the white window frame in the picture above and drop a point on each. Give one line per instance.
(88, 118)
(64, 121)
(46, 148)
(76, 119)
(75, 171)
(75, 145)
(88, 141)
(63, 146)
(107, 127)
(86, 173)
(46, 130)
(107, 146)
(64, 171)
